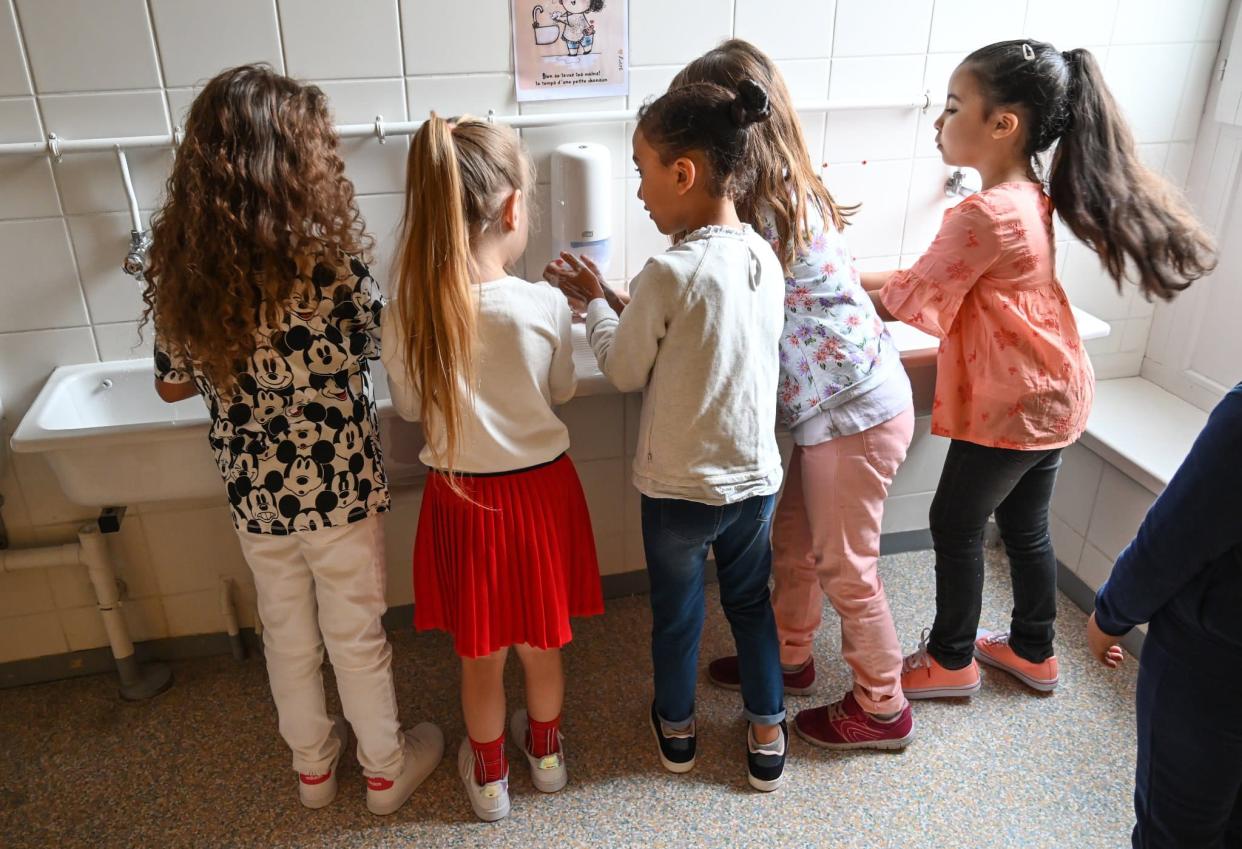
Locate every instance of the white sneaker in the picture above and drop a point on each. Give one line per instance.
(548, 774)
(491, 801)
(317, 790)
(424, 747)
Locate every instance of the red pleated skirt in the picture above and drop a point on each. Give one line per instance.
(513, 566)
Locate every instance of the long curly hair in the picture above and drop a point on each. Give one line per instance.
(258, 182)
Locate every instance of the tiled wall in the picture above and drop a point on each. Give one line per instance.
(85, 68)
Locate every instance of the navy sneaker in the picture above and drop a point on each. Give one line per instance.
(676, 748)
(765, 762)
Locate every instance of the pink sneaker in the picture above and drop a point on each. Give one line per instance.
(994, 650)
(923, 678)
(845, 725)
(723, 673)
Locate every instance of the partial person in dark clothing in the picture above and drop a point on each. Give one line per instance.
(1183, 575)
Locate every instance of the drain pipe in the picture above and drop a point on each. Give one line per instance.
(91, 551)
(229, 612)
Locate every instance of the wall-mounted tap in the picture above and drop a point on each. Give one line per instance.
(135, 264)
(956, 185)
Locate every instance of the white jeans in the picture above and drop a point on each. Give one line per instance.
(318, 588)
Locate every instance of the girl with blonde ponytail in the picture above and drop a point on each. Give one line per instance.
(504, 553)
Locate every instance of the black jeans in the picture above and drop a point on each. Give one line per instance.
(976, 482)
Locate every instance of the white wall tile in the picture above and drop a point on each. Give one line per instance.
(663, 33)
(596, 427)
(193, 613)
(374, 168)
(604, 482)
(1068, 24)
(1213, 21)
(26, 360)
(25, 591)
(1113, 366)
(644, 240)
(13, 76)
(382, 214)
(1134, 333)
(969, 24)
(198, 40)
(881, 187)
(786, 29)
(1157, 21)
(877, 78)
(91, 182)
(29, 191)
(1094, 567)
(541, 141)
(468, 95)
(1077, 483)
(936, 74)
(927, 204)
(1065, 543)
(857, 135)
(1120, 505)
(100, 243)
(84, 628)
(45, 293)
(1147, 82)
(456, 38)
(1198, 77)
(906, 512)
(1089, 287)
(650, 83)
(32, 635)
(191, 549)
(122, 341)
(95, 46)
(327, 40)
(882, 27)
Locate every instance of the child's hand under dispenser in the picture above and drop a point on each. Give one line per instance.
(582, 282)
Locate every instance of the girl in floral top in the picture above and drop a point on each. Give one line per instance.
(1014, 385)
(846, 398)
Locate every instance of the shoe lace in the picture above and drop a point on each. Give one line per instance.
(1000, 638)
(919, 659)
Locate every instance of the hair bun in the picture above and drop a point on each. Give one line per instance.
(751, 104)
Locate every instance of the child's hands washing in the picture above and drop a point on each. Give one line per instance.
(582, 282)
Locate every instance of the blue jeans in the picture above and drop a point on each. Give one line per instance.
(676, 536)
(1188, 775)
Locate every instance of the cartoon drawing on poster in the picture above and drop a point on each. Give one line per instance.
(573, 48)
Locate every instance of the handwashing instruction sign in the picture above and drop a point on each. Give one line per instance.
(570, 48)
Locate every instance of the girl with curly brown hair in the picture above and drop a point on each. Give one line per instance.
(263, 304)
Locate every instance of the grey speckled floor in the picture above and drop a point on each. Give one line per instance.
(203, 766)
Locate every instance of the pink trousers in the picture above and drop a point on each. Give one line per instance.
(826, 541)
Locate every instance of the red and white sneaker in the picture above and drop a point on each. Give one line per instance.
(317, 790)
(548, 773)
(845, 725)
(424, 747)
(723, 672)
(994, 650)
(922, 676)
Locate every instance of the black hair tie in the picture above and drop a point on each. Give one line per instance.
(751, 104)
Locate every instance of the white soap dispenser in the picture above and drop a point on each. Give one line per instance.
(582, 202)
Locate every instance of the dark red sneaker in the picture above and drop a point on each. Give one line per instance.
(845, 725)
(723, 673)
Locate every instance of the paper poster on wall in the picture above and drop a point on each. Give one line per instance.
(570, 48)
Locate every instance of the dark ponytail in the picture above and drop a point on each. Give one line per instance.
(712, 119)
(1108, 198)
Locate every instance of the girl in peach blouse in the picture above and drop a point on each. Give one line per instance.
(1013, 383)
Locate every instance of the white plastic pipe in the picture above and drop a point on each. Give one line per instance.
(94, 553)
(135, 215)
(57, 147)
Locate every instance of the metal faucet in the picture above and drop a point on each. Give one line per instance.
(135, 264)
(956, 185)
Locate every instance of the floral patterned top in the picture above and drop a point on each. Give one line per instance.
(834, 347)
(1012, 371)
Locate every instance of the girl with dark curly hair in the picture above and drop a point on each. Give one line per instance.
(263, 304)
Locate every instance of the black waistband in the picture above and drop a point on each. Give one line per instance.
(555, 459)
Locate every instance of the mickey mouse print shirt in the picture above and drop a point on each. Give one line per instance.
(298, 444)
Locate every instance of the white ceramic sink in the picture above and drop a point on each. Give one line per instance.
(111, 441)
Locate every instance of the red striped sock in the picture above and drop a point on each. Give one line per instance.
(490, 763)
(543, 738)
